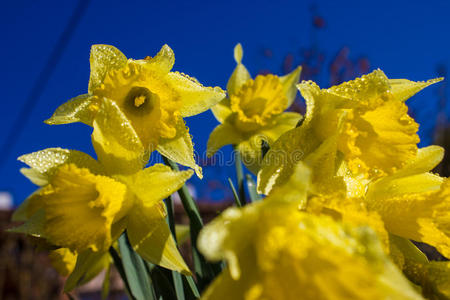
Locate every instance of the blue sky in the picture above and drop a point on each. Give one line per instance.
(406, 39)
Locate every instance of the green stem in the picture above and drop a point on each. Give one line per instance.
(239, 175)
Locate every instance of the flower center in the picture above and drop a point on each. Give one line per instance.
(140, 100)
(258, 101)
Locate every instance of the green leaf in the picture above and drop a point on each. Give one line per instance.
(236, 197)
(135, 271)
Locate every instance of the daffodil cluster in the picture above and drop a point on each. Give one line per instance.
(351, 166)
(349, 194)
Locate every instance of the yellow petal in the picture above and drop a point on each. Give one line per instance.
(282, 123)
(403, 89)
(222, 110)
(164, 60)
(238, 53)
(78, 109)
(34, 176)
(422, 216)
(289, 82)
(240, 74)
(195, 97)
(151, 238)
(80, 208)
(103, 59)
(117, 146)
(156, 183)
(274, 251)
(47, 161)
(364, 88)
(224, 287)
(295, 189)
(412, 178)
(290, 148)
(180, 148)
(63, 260)
(88, 265)
(223, 134)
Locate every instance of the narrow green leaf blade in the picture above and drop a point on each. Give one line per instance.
(136, 274)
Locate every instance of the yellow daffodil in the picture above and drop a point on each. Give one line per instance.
(410, 204)
(253, 112)
(84, 205)
(365, 118)
(275, 251)
(152, 99)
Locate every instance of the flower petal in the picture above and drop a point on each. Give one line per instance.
(151, 238)
(240, 74)
(80, 208)
(222, 110)
(156, 183)
(180, 148)
(47, 161)
(77, 109)
(277, 165)
(195, 97)
(420, 216)
(282, 253)
(117, 146)
(103, 59)
(63, 260)
(164, 60)
(403, 89)
(223, 134)
(282, 123)
(289, 82)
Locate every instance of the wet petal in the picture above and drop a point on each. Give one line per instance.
(151, 238)
(78, 109)
(155, 183)
(180, 148)
(195, 97)
(403, 89)
(103, 59)
(117, 146)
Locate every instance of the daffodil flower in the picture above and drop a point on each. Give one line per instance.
(275, 251)
(253, 112)
(410, 204)
(366, 117)
(153, 100)
(84, 204)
